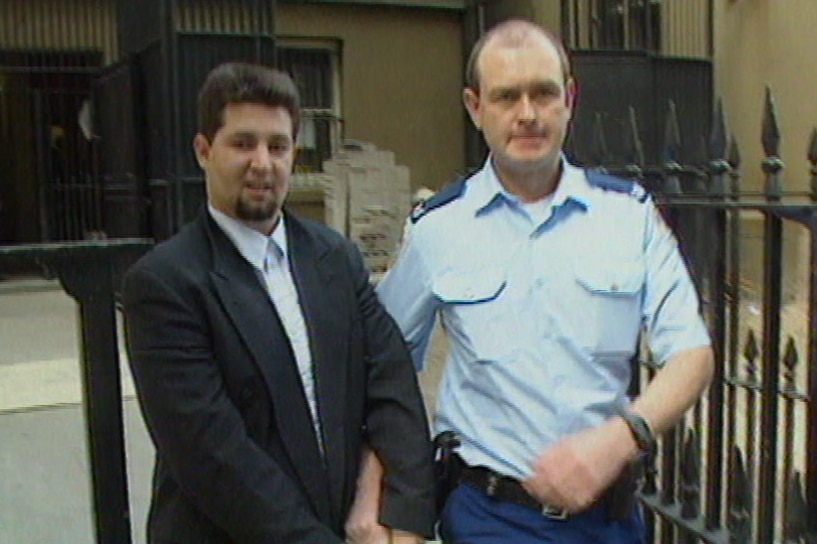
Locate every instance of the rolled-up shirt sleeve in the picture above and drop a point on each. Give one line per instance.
(671, 304)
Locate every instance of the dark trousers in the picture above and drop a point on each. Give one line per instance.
(472, 517)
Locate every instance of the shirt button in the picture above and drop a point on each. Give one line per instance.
(614, 287)
(539, 282)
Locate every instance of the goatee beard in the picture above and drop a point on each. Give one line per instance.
(256, 212)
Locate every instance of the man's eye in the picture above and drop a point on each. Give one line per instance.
(545, 93)
(279, 147)
(244, 144)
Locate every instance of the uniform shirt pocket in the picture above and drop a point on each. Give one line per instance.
(469, 286)
(613, 292)
(475, 309)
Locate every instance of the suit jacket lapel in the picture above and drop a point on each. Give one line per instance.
(251, 311)
(327, 318)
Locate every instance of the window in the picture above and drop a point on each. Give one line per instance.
(314, 69)
(628, 24)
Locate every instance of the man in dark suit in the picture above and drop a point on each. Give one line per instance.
(263, 361)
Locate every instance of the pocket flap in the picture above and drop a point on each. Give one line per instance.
(469, 286)
(612, 278)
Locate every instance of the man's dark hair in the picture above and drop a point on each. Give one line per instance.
(514, 32)
(241, 83)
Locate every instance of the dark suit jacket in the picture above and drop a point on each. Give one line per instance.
(237, 459)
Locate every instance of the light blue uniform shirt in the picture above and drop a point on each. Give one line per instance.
(543, 313)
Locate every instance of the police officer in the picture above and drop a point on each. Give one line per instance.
(544, 276)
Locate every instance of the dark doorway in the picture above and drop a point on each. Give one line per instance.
(48, 190)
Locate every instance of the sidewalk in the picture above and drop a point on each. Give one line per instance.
(45, 492)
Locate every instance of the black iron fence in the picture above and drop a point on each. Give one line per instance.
(90, 272)
(742, 466)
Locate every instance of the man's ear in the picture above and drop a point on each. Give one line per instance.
(201, 146)
(571, 95)
(471, 100)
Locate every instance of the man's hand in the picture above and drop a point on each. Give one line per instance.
(575, 471)
(362, 526)
(402, 537)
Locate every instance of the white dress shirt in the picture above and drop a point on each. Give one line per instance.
(269, 256)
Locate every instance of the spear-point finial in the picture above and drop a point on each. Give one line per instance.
(772, 164)
(812, 158)
(636, 149)
(672, 135)
(750, 349)
(717, 139)
(739, 499)
(797, 517)
(812, 148)
(790, 360)
(600, 151)
(733, 158)
(733, 155)
(770, 134)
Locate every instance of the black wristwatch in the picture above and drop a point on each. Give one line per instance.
(641, 431)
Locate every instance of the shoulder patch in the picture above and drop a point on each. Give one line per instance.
(616, 184)
(447, 194)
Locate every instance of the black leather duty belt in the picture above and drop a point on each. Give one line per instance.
(504, 488)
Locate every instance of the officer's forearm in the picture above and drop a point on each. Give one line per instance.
(675, 388)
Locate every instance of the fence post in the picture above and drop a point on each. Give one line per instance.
(718, 252)
(772, 289)
(811, 416)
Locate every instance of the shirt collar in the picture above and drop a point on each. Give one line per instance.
(486, 192)
(251, 244)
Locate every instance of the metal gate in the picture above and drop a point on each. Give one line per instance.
(47, 152)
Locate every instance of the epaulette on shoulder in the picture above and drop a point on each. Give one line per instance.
(617, 185)
(447, 194)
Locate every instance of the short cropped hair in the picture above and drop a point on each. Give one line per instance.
(514, 32)
(242, 83)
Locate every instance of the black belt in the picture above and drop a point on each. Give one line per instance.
(504, 488)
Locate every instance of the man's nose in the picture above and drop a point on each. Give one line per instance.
(527, 109)
(261, 159)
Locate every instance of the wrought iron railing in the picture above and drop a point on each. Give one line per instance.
(742, 466)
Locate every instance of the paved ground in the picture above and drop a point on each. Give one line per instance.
(44, 478)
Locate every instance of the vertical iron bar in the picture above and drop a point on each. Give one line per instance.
(773, 255)
(42, 168)
(772, 290)
(103, 413)
(751, 389)
(715, 423)
(734, 297)
(87, 273)
(668, 467)
(710, 29)
(564, 23)
(577, 25)
(811, 370)
(788, 392)
(647, 22)
(810, 475)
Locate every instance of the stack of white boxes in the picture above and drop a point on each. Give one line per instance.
(370, 201)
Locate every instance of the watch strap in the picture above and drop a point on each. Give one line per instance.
(644, 437)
